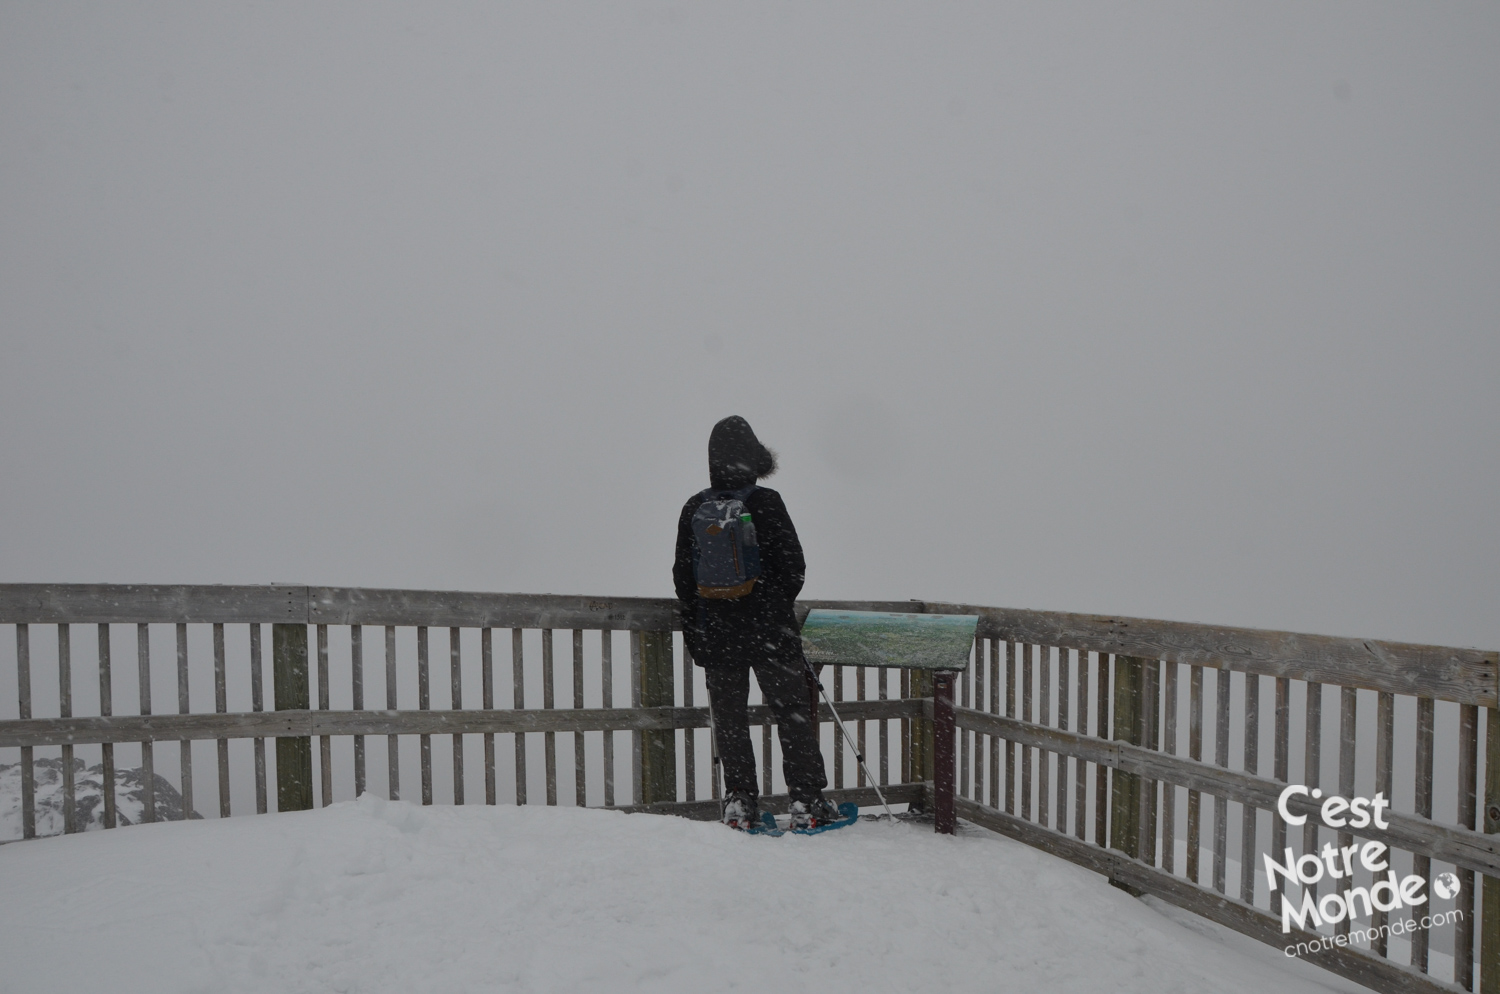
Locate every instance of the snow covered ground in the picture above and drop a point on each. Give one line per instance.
(375, 896)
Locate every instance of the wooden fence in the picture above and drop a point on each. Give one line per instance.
(1153, 752)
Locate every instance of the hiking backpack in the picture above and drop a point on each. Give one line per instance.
(727, 560)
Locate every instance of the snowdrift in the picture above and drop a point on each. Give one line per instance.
(375, 896)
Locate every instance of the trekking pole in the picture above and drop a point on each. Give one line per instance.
(847, 738)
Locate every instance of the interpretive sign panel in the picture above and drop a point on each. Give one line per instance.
(883, 638)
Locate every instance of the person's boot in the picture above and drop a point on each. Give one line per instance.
(813, 814)
(741, 810)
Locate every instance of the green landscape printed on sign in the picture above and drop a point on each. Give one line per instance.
(882, 638)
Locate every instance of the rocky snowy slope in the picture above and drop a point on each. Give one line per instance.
(376, 896)
(88, 789)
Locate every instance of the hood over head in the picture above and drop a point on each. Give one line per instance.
(736, 458)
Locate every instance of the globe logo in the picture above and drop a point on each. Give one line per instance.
(1446, 886)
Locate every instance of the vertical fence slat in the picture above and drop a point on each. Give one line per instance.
(392, 742)
(185, 746)
(221, 706)
(107, 708)
(1468, 757)
(424, 703)
(1489, 940)
(838, 741)
(357, 690)
(1080, 782)
(1029, 656)
(1281, 758)
(549, 739)
(148, 748)
(1348, 701)
(1421, 865)
(1150, 738)
(995, 742)
(884, 694)
(1252, 766)
(980, 646)
(455, 665)
(1044, 757)
(518, 701)
(1101, 773)
(1221, 758)
(1312, 765)
(1169, 789)
(258, 703)
(580, 781)
(1195, 752)
(487, 689)
(964, 737)
(1063, 671)
(689, 735)
(325, 743)
(607, 695)
(1385, 735)
(65, 710)
(23, 700)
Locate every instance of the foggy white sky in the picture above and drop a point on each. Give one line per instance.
(1176, 311)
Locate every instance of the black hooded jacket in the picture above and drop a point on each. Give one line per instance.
(763, 622)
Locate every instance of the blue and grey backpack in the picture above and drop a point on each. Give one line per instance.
(727, 562)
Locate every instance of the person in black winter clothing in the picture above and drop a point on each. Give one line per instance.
(759, 631)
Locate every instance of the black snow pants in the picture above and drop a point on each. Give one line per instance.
(783, 684)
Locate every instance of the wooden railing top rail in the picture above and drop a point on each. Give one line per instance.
(1465, 676)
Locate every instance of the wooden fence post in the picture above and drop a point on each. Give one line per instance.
(919, 739)
(658, 768)
(1130, 812)
(944, 821)
(1489, 939)
(294, 786)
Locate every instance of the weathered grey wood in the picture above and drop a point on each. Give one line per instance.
(1062, 722)
(221, 705)
(658, 780)
(1101, 730)
(580, 781)
(1489, 939)
(1421, 862)
(1466, 676)
(292, 690)
(1028, 712)
(132, 603)
(148, 751)
(357, 692)
(1169, 790)
(549, 741)
(456, 696)
(23, 698)
(1283, 735)
(1468, 758)
(607, 697)
(1080, 784)
(424, 703)
(281, 724)
(1252, 765)
(258, 703)
(885, 736)
(325, 744)
(1385, 734)
(1438, 841)
(1364, 968)
(106, 708)
(445, 608)
(392, 743)
(518, 702)
(1043, 656)
(1221, 801)
(689, 742)
(1312, 767)
(1125, 808)
(185, 757)
(65, 710)
(1195, 753)
(962, 772)
(487, 678)
(979, 670)
(1150, 733)
(1347, 703)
